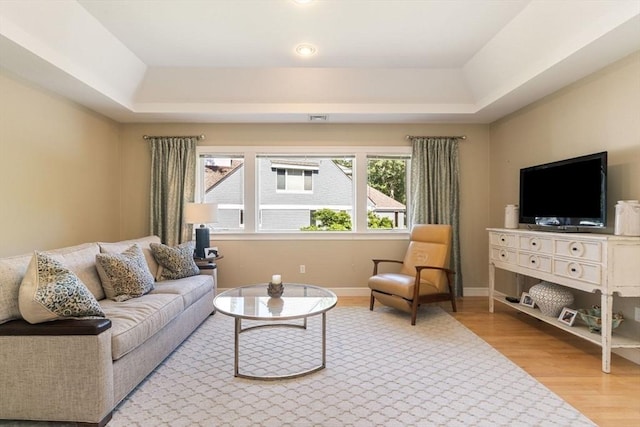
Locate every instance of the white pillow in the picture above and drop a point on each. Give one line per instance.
(50, 291)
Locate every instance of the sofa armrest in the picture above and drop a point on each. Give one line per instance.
(57, 327)
(56, 371)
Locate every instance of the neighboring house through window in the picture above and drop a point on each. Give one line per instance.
(302, 184)
(285, 191)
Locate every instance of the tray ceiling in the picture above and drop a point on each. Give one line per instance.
(377, 61)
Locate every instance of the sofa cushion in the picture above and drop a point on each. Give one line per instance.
(50, 291)
(12, 271)
(125, 275)
(118, 247)
(136, 320)
(190, 288)
(175, 262)
(81, 259)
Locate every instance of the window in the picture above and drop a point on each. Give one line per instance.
(220, 179)
(303, 185)
(337, 189)
(387, 192)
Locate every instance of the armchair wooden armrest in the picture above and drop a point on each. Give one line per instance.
(419, 269)
(424, 267)
(378, 261)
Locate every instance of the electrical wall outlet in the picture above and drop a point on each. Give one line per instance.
(303, 269)
(637, 314)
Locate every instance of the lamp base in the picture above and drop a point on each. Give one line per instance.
(202, 241)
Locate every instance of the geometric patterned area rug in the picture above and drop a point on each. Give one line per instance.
(380, 371)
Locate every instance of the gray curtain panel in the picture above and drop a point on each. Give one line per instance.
(435, 190)
(173, 173)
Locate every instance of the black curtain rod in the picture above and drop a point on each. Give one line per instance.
(457, 137)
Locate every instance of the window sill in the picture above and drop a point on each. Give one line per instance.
(311, 235)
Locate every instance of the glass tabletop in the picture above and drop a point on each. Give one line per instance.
(253, 302)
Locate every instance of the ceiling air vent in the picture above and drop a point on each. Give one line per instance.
(317, 117)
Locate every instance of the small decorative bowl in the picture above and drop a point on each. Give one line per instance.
(593, 319)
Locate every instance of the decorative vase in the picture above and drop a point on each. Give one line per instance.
(551, 298)
(511, 216)
(275, 290)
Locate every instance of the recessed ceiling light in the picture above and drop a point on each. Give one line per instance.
(317, 117)
(306, 49)
(302, 1)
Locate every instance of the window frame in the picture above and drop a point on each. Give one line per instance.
(250, 155)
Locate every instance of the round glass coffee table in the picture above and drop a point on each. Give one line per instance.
(299, 301)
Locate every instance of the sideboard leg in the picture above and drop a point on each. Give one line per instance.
(606, 311)
(492, 285)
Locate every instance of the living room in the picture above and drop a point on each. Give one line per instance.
(72, 175)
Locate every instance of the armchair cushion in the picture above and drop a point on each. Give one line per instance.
(400, 285)
(427, 253)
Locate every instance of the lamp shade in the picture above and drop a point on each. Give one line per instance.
(200, 213)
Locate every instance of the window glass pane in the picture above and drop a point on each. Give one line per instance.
(387, 192)
(281, 185)
(221, 180)
(294, 180)
(307, 181)
(317, 195)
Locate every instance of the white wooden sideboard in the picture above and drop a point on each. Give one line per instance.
(601, 263)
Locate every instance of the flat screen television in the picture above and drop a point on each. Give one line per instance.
(565, 194)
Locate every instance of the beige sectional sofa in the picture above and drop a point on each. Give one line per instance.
(78, 370)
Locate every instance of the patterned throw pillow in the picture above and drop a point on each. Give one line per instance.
(125, 275)
(50, 291)
(176, 262)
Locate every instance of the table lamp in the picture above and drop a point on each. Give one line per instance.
(201, 213)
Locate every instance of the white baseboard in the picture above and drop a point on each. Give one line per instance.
(360, 291)
(365, 292)
(476, 292)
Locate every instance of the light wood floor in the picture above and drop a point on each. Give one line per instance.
(567, 365)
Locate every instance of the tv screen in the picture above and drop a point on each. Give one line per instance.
(567, 193)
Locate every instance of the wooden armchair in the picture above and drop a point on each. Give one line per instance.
(424, 276)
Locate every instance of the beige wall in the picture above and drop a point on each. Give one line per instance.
(71, 176)
(598, 113)
(59, 171)
(339, 263)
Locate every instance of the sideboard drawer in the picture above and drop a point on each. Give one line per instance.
(585, 272)
(534, 261)
(503, 239)
(503, 255)
(536, 244)
(591, 251)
